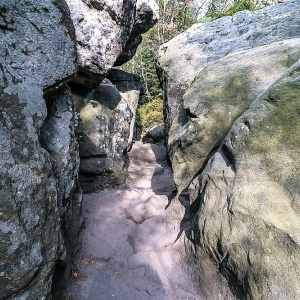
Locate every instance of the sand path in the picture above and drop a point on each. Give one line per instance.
(128, 247)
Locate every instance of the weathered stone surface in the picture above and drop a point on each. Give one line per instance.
(155, 135)
(105, 130)
(57, 136)
(107, 34)
(106, 29)
(40, 209)
(203, 6)
(236, 167)
(185, 56)
(252, 182)
(130, 89)
(36, 42)
(29, 221)
(37, 55)
(146, 16)
(217, 97)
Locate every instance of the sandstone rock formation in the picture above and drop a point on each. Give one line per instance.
(106, 119)
(203, 6)
(108, 33)
(209, 49)
(248, 196)
(218, 96)
(41, 51)
(57, 136)
(38, 56)
(235, 167)
(183, 58)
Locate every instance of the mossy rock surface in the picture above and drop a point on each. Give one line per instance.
(217, 97)
(248, 197)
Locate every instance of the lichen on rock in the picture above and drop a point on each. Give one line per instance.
(44, 45)
(31, 239)
(244, 186)
(232, 121)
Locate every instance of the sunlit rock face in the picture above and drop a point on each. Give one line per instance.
(232, 115)
(248, 196)
(233, 58)
(108, 33)
(203, 6)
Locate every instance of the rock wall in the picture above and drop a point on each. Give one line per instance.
(44, 45)
(108, 35)
(204, 54)
(248, 196)
(236, 167)
(106, 117)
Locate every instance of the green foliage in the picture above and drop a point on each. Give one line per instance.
(217, 11)
(175, 17)
(144, 64)
(150, 114)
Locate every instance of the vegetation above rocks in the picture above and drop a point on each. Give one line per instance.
(150, 114)
(175, 17)
(216, 11)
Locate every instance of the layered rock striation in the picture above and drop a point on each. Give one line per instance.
(44, 45)
(232, 117)
(106, 117)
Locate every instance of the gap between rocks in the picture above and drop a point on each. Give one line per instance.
(128, 247)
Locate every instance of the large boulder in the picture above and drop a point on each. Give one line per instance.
(185, 56)
(233, 58)
(237, 168)
(107, 32)
(248, 197)
(217, 97)
(37, 43)
(106, 117)
(38, 56)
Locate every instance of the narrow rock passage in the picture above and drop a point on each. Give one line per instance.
(128, 246)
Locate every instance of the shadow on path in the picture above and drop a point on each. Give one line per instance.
(128, 246)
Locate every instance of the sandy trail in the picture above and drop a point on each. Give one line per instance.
(128, 246)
